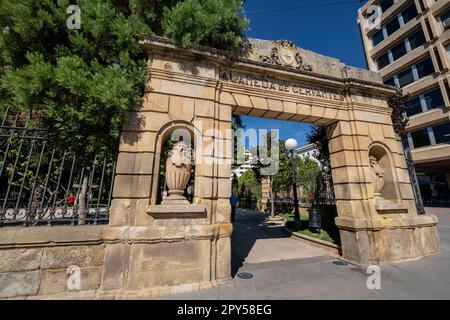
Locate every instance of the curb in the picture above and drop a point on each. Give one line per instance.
(320, 243)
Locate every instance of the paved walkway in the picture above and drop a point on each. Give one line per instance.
(285, 268)
(256, 241)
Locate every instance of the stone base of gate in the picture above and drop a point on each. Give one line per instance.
(159, 291)
(161, 260)
(388, 239)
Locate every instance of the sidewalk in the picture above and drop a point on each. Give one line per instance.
(317, 277)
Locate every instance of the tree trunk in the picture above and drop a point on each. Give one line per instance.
(82, 200)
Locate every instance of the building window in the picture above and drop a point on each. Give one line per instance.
(442, 133)
(413, 106)
(405, 77)
(405, 46)
(394, 24)
(409, 13)
(390, 81)
(383, 61)
(399, 50)
(430, 136)
(377, 37)
(416, 39)
(429, 100)
(425, 68)
(445, 20)
(433, 99)
(420, 138)
(412, 73)
(386, 4)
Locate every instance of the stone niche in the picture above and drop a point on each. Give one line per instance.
(384, 181)
(176, 190)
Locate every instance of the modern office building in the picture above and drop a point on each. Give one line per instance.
(308, 151)
(408, 42)
(249, 164)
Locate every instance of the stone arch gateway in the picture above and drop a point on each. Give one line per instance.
(153, 249)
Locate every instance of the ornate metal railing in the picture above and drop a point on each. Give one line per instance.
(314, 189)
(42, 184)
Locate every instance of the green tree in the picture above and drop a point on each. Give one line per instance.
(249, 188)
(82, 82)
(306, 169)
(218, 24)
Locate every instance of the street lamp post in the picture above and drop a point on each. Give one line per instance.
(291, 145)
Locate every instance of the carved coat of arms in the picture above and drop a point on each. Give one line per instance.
(284, 54)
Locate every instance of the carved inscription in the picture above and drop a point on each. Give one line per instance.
(280, 85)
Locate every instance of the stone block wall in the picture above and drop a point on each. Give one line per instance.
(35, 262)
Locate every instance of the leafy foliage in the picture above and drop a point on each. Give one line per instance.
(282, 180)
(213, 23)
(249, 187)
(81, 82)
(398, 105)
(318, 136)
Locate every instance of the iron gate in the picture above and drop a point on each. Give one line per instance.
(41, 184)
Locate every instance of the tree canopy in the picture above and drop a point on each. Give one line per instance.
(81, 81)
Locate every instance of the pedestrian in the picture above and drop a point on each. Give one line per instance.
(233, 202)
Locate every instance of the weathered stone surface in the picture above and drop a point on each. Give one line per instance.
(180, 108)
(223, 258)
(15, 284)
(56, 280)
(133, 141)
(24, 259)
(62, 257)
(132, 186)
(205, 108)
(135, 163)
(116, 266)
(188, 262)
(223, 210)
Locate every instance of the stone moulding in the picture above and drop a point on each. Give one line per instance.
(408, 222)
(158, 291)
(350, 78)
(156, 234)
(389, 208)
(177, 211)
(18, 237)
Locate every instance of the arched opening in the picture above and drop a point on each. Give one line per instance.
(176, 134)
(383, 176)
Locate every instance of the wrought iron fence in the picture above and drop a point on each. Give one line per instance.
(41, 184)
(316, 188)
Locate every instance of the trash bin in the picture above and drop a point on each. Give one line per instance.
(314, 220)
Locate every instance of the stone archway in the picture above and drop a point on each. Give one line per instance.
(203, 87)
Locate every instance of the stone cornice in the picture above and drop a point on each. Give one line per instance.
(231, 59)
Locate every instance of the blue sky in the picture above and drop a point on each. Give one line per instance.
(330, 30)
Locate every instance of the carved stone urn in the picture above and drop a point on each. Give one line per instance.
(178, 172)
(378, 173)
